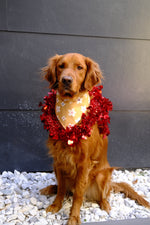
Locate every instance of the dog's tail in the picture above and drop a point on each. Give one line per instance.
(129, 192)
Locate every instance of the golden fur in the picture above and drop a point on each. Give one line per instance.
(82, 169)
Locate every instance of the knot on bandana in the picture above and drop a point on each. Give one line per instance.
(69, 110)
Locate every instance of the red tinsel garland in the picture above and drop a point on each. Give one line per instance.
(98, 111)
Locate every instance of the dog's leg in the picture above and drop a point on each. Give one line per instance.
(103, 180)
(81, 184)
(104, 204)
(49, 190)
(61, 191)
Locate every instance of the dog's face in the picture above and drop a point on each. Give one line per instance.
(72, 73)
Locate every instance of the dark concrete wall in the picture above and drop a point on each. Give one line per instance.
(114, 33)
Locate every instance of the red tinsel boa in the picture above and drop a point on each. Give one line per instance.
(98, 111)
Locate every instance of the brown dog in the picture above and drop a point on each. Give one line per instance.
(82, 169)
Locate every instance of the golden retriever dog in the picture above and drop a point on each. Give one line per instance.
(81, 169)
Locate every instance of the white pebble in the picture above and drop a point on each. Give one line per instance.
(58, 217)
(21, 216)
(33, 212)
(26, 208)
(2, 205)
(51, 216)
(4, 174)
(43, 213)
(25, 194)
(43, 221)
(39, 205)
(33, 201)
(12, 217)
(16, 173)
(8, 201)
(15, 199)
(9, 211)
(24, 186)
(2, 219)
(94, 205)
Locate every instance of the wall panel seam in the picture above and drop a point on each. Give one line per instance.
(74, 35)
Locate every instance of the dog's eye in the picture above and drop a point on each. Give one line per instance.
(79, 67)
(62, 66)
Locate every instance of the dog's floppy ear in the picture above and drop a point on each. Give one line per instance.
(49, 71)
(93, 74)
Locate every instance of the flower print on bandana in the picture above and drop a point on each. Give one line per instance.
(83, 109)
(63, 118)
(63, 103)
(79, 101)
(57, 108)
(71, 112)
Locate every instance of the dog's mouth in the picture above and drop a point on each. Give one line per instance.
(67, 95)
(67, 92)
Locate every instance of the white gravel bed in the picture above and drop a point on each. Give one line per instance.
(21, 203)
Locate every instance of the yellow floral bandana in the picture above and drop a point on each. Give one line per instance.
(69, 111)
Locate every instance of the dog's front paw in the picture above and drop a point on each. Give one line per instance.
(74, 220)
(54, 208)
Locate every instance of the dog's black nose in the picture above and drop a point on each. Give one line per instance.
(67, 80)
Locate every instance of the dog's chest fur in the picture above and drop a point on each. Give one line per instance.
(68, 158)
